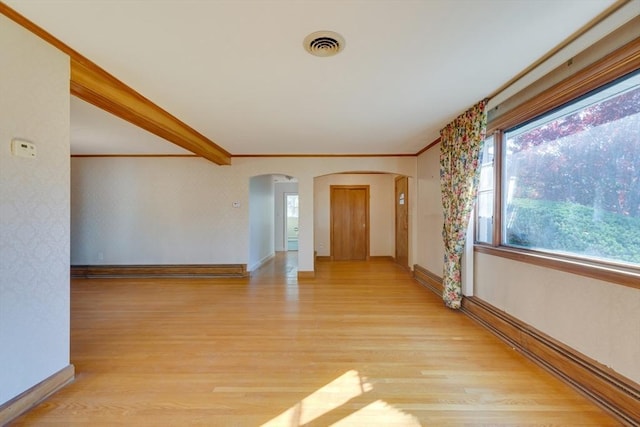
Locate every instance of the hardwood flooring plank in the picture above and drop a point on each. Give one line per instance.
(359, 344)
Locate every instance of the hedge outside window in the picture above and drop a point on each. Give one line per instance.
(571, 178)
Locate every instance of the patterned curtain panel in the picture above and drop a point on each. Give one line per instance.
(460, 146)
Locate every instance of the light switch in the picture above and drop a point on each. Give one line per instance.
(22, 148)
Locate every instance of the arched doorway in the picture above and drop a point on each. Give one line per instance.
(268, 216)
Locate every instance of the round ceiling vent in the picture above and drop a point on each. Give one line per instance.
(324, 43)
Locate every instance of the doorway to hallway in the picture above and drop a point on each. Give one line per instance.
(291, 221)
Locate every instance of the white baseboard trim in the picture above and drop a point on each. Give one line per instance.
(262, 262)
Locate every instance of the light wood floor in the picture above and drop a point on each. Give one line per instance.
(362, 344)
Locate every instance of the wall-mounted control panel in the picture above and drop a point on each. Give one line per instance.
(22, 148)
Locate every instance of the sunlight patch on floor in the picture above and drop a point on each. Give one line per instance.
(378, 413)
(334, 396)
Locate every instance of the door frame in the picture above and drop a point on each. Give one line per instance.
(331, 212)
(404, 219)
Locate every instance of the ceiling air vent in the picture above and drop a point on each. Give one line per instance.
(324, 43)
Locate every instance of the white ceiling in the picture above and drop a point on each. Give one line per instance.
(236, 71)
(94, 131)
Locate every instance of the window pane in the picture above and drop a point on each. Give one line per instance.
(572, 178)
(292, 205)
(485, 217)
(484, 206)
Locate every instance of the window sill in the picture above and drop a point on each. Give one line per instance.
(607, 272)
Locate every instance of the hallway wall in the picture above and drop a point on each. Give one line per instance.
(280, 189)
(261, 220)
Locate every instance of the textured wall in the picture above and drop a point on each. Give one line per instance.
(34, 211)
(157, 211)
(429, 245)
(599, 319)
(162, 210)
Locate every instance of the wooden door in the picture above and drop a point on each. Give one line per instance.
(349, 222)
(402, 221)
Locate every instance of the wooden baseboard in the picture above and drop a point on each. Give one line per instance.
(180, 270)
(36, 394)
(428, 279)
(381, 258)
(614, 392)
(371, 258)
(617, 394)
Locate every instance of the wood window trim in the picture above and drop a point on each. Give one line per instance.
(625, 276)
(497, 187)
(611, 67)
(619, 63)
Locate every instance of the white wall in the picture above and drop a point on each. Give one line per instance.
(162, 210)
(179, 209)
(381, 211)
(429, 246)
(599, 319)
(280, 189)
(34, 211)
(261, 220)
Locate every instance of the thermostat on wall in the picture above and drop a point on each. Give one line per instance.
(22, 148)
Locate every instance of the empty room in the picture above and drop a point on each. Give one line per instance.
(320, 212)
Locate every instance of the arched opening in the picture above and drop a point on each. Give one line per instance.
(388, 214)
(272, 224)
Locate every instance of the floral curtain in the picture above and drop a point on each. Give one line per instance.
(460, 146)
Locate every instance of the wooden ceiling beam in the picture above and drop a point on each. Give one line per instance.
(93, 84)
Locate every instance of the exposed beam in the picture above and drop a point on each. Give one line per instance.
(93, 84)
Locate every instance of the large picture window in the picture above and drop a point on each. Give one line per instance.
(571, 178)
